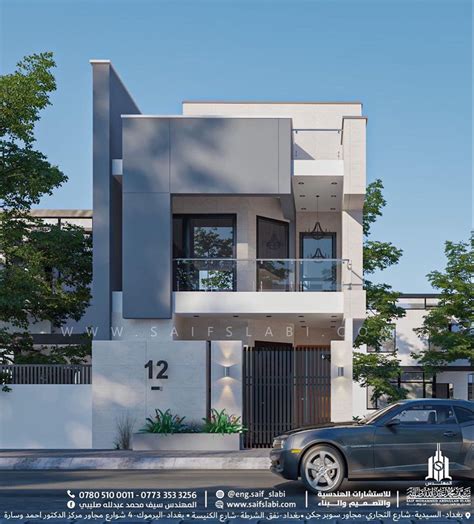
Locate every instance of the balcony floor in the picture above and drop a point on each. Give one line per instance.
(257, 303)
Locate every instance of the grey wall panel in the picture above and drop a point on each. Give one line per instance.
(116, 234)
(224, 155)
(110, 100)
(165, 156)
(146, 255)
(101, 201)
(146, 155)
(284, 155)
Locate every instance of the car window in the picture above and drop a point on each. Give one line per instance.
(464, 414)
(368, 419)
(426, 414)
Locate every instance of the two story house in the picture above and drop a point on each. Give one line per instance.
(227, 259)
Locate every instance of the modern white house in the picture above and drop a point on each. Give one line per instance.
(227, 259)
(227, 271)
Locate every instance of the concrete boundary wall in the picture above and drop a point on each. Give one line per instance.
(46, 416)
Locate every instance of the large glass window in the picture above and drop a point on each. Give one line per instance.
(318, 270)
(274, 271)
(201, 246)
(417, 384)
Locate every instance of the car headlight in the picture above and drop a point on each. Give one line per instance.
(279, 442)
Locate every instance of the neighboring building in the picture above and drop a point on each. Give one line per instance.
(455, 381)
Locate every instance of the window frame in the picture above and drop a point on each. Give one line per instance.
(187, 217)
(186, 220)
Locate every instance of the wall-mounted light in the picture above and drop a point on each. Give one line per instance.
(340, 371)
(226, 371)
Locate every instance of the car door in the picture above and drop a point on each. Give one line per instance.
(465, 418)
(404, 443)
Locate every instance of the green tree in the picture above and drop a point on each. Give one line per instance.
(45, 270)
(378, 370)
(449, 327)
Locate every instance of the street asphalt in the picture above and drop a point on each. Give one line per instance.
(45, 491)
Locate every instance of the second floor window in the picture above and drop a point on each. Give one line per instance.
(201, 245)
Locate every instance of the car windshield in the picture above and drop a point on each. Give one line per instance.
(368, 419)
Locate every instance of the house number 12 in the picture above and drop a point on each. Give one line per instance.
(162, 366)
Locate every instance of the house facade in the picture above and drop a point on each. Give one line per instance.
(227, 274)
(228, 265)
(227, 259)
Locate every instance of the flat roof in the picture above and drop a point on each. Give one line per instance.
(420, 295)
(266, 102)
(61, 213)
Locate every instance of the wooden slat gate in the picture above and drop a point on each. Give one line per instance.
(284, 388)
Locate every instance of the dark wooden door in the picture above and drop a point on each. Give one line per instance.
(284, 388)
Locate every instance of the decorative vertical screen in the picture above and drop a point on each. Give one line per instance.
(272, 238)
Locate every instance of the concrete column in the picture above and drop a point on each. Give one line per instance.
(341, 386)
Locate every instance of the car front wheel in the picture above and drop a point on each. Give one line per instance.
(322, 469)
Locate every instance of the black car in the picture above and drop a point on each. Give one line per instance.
(395, 442)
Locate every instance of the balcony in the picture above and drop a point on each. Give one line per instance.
(317, 152)
(261, 275)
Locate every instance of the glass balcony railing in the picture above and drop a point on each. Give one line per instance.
(231, 274)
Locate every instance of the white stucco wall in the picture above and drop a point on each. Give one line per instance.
(46, 417)
(226, 392)
(323, 115)
(459, 380)
(341, 387)
(121, 384)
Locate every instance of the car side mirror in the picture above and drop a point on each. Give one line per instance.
(393, 422)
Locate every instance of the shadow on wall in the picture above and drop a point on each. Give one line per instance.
(405, 347)
(205, 155)
(301, 154)
(202, 155)
(111, 394)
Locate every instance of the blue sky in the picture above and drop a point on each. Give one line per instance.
(409, 62)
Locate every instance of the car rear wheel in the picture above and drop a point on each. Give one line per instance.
(322, 469)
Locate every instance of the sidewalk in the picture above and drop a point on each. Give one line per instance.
(121, 459)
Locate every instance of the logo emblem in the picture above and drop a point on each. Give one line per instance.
(438, 466)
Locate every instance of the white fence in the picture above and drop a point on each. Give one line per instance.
(46, 416)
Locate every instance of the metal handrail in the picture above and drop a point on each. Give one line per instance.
(269, 259)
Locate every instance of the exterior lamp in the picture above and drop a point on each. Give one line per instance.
(340, 371)
(226, 371)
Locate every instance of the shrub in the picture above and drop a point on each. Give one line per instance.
(221, 422)
(164, 422)
(124, 430)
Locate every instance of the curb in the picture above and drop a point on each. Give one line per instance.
(131, 463)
